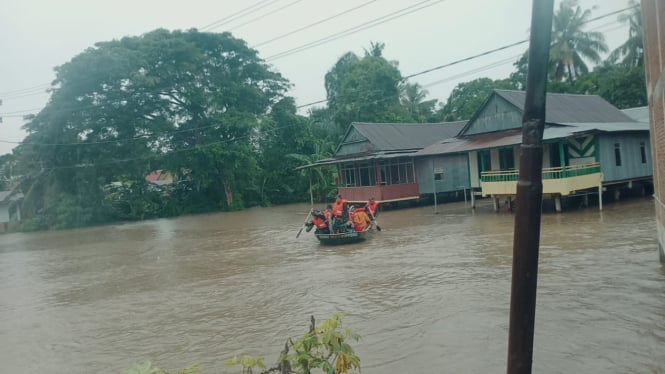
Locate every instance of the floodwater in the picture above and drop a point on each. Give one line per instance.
(428, 294)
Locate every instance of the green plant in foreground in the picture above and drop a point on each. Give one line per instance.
(323, 347)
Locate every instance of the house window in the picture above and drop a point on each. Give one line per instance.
(507, 158)
(397, 172)
(367, 175)
(349, 174)
(484, 161)
(643, 152)
(617, 154)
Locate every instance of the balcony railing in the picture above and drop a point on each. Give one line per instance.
(559, 180)
(548, 173)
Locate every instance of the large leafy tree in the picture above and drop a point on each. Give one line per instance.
(571, 45)
(365, 89)
(631, 52)
(283, 134)
(187, 101)
(622, 86)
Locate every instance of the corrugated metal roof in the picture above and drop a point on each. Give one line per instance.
(400, 136)
(7, 196)
(374, 156)
(567, 108)
(640, 114)
(514, 137)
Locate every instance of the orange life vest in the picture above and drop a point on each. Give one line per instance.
(338, 208)
(372, 206)
(319, 222)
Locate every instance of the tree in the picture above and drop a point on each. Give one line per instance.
(467, 97)
(631, 52)
(571, 44)
(285, 133)
(622, 86)
(186, 101)
(412, 97)
(364, 89)
(518, 77)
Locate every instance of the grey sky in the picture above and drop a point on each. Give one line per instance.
(38, 35)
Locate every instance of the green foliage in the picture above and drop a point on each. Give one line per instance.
(466, 98)
(365, 89)
(181, 100)
(571, 45)
(147, 368)
(412, 98)
(631, 52)
(283, 134)
(622, 86)
(323, 347)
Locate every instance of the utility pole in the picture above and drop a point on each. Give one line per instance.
(526, 238)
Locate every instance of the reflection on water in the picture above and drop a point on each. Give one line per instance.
(430, 293)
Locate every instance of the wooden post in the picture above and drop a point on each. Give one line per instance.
(311, 194)
(526, 239)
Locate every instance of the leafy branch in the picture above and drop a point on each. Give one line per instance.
(323, 347)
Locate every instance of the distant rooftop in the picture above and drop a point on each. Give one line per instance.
(640, 114)
(567, 108)
(405, 136)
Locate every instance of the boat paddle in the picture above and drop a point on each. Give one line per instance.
(304, 224)
(374, 220)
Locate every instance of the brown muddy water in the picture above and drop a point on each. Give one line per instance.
(428, 294)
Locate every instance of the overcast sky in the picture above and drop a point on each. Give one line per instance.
(38, 35)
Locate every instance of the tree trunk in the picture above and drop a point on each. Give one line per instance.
(228, 192)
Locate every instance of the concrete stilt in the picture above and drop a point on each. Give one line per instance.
(557, 203)
(600, 196)
(473, 199)
(495, 200)
(617, 195)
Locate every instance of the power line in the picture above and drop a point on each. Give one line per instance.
(46, 85)
(239, 14)
(363, 26)
(480, 54)
(265, 15)
(313, 24)
(21, 90)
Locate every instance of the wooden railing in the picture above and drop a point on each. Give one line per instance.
(548, 173)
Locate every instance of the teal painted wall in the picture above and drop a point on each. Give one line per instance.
(496, 115)
(631, 157)
(456, 173)
(353, 144)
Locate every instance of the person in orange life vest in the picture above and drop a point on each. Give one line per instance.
(372, 207)
(328, 212)
(320, 221)
(339, 207)
(340, 214)
(360, 220)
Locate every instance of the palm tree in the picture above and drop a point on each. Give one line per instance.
(571, 44)
(411, 96)
(631, 53)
